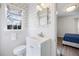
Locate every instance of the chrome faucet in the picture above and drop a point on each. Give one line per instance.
(41, 34)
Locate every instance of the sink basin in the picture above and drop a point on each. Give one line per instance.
(38, 39)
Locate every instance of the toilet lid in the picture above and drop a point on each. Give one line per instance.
(19, 49)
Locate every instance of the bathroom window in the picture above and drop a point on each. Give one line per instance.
(14, 18)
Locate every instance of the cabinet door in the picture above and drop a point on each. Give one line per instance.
(46, 48)
(35, 50)
(28, 51)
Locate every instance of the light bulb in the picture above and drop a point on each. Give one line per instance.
(39, 8)
(43, 5)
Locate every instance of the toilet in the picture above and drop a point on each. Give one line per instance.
(20, 50)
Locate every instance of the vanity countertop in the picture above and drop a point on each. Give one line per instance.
(38, 40)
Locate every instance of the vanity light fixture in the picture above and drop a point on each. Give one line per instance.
(39, 8)
(43, 5)
(72, 8)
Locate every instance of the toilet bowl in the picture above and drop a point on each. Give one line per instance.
(20, 50)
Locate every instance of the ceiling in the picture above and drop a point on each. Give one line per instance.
(61, 9)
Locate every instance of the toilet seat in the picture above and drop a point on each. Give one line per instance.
(20, 50)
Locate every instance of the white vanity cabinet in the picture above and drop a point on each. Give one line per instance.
(38, 47)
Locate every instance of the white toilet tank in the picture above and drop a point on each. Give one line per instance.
(20, 51)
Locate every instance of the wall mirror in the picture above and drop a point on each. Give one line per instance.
(43, 14)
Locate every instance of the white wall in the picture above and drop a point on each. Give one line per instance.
(66, 24)
(11, 39)
(50, 30)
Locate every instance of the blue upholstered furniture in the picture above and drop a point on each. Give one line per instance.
(71, 39)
